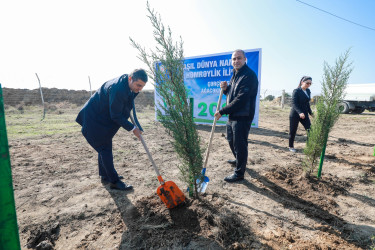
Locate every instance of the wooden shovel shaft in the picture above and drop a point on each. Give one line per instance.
(212, 130)
(149, 155)
(168, 191)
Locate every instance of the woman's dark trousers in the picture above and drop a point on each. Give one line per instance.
(293, 121)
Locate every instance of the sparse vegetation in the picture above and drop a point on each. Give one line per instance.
(27, 123)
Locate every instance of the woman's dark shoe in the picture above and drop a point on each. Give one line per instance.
(120, 186)
(233, 178)
(293, 150)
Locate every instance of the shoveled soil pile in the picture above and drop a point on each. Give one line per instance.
(203, 223)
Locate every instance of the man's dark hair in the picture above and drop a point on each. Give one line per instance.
(139, 74)
(240, 50)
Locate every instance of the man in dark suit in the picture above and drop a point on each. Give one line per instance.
(102, 116)
(300, 109)
(241, 101)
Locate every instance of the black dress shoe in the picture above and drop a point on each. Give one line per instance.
(233, 178)
(120, 186)
(105, 180)
(233, 162)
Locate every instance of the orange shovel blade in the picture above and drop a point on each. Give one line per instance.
(170, 194)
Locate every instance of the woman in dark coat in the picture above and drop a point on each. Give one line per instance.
(300, 109)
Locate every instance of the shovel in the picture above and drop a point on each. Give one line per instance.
(202, 186)
(168, 191)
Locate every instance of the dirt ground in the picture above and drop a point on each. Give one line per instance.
(61, 203)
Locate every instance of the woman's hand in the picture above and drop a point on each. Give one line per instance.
(302, 116)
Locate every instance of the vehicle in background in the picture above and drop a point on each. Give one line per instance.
(358, 98)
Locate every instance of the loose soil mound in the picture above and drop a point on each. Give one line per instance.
(43, 237)
(203, 223)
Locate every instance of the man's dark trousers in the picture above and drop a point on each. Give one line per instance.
(237, 134)
(105, 162)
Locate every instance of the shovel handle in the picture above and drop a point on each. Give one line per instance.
(212, 131)
(149, 155)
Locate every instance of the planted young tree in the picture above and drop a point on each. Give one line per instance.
(166, 68)
(334, 82)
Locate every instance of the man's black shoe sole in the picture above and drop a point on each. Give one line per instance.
(105, 181)
(234, 180)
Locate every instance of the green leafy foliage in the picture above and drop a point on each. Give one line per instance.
(334, 82)
(166, 68)
(269, 98)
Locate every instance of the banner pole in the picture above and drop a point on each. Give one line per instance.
(9, 237)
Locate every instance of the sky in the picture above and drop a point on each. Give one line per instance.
(65, 42)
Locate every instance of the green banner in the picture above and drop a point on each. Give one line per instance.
(9, 238)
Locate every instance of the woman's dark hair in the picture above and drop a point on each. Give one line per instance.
(139, 74)
(304, 79)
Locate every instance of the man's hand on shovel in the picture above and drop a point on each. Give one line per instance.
(217, 115)
(223, 86)
(137, 132)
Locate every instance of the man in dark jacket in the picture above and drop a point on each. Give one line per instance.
(241, 100)
(102, 116)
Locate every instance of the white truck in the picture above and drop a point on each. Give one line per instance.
(358, 98)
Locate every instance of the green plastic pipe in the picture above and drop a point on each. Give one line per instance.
(322, 156)
(191, 188)
(9, 237)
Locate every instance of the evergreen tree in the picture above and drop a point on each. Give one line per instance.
(335, 79)
(166, 68)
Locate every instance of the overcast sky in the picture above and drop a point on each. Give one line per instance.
(67, 41)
